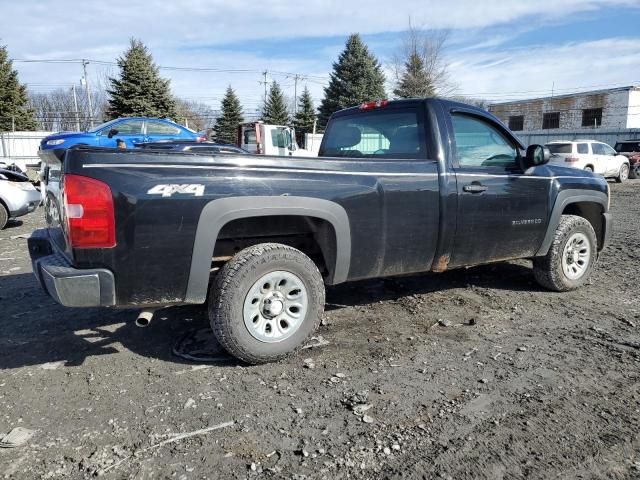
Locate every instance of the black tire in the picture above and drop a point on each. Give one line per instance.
(548, 270)
(4, 216)
(589, 168)
(232, 285)
(634, 173)
(623, 174)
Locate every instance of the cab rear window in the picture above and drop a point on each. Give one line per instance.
(627, 147)
(375, 134)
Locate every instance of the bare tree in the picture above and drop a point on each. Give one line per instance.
(478, 102)
(420, 66)
(195, 115)
(58, 109)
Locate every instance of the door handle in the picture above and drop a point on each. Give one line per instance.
(474, 188)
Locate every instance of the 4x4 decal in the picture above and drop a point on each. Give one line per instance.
(196, 190)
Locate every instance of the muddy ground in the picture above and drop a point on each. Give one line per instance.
(515, 382)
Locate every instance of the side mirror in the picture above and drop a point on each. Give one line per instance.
(536, 155)
(112, 133)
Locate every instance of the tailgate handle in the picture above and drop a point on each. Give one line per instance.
(474, 187)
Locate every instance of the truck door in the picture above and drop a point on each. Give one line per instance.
(502, 211)
(249, 138)
(276, 141)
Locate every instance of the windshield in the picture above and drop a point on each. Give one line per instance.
(628, 147)
(559, 147)
(379, 133)
(102, 125)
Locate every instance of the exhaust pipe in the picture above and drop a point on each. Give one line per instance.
(144, 318)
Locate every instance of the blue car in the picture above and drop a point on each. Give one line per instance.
(131, 130)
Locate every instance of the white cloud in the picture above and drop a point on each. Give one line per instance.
(534, 71)
(207, 33)
(51, 26)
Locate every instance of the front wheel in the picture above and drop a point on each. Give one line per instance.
(588, 168)
(623, 174)
(4, 216)
(265, 302)
(571, 256)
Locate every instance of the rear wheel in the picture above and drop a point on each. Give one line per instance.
(589, 168)
(4, 216)
(634, 172)
(623, 174)
(265, 302)
(571, 256)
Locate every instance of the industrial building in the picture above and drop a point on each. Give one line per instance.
(606, 115)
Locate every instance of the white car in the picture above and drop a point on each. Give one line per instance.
(590, 155)
(17, 196)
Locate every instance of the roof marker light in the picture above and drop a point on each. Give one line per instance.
(373, 104)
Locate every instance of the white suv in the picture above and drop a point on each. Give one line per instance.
(590, 155)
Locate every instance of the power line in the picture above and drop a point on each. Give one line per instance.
(173, 68)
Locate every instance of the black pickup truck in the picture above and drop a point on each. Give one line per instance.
(399, 187)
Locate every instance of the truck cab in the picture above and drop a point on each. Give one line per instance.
(263, 139)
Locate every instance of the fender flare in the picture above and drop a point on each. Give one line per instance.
(565, 198)
(217, 213)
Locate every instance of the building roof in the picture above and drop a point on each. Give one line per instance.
(568, 95)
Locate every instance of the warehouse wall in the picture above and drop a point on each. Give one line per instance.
(614, 104)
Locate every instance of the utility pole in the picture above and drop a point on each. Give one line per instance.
(75, 107)
(88, 91)
(295, 93)
(265, 84)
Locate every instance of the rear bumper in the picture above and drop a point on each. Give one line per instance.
(69, 286)
(607, 224)
(24, 202)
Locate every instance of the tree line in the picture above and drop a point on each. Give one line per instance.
(419, 70)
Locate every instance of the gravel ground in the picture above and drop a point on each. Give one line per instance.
(476, 373)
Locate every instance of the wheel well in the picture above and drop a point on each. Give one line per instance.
(313, 236)
(592, 212)
(588, 165)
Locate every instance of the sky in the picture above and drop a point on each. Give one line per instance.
(496, 50)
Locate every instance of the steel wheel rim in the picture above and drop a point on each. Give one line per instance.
(275, 306)
(576, 256)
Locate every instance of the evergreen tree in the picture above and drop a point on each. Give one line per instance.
(140, 91)
(306, 115)
(231, 117)
(14, 111)
(275, 107)
(414, 81)
(357, 77)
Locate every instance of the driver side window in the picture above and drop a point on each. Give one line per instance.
(128, 127)
(481, 145)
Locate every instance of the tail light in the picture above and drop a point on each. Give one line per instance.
(200, 138)
(88, 205)
(373, 104)
(571, 159)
